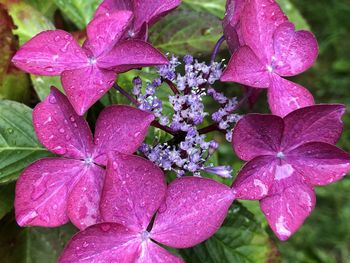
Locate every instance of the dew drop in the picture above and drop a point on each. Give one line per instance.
(10, 130)
(105, 227)
(61, 130)
(52, 100)
(85, 244)
(49, 69)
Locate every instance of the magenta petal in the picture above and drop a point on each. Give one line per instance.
(131, 54)
(320, 163)
(320, 123)
(42, 191)
(105, 242)
(245, 68)
(50, 53)
(289, 203)
(255, 178)
(193, 211)
(152, 253)
(295, 52)
(109, 6)
(260, 18)
(60, 129)
(84, 198)
(285, 96)
(133, 191)
(257, 134)
(105, 30)
(120, 128)
(85, 86)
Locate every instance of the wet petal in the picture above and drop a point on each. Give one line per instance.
(289, 203)
(131, 54)
(255, 178)
(133, 191)
(193, 211)
(85, 86)
(60, 129)
(245, 68)
(295, 52)
(320, 163)
(49, 53)
(110, 6)
(320, 123)
(84, 198)
(152, 253)
(257, 134)
(105, 242)
(42, 191)
(285, 96)
(120, 128)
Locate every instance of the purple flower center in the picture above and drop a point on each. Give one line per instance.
(145, 235)
(92, 60)
(280, 155)
(88, 161)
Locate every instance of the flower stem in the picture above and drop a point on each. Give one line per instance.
(216, 49)
(126, 94)
(172, 86)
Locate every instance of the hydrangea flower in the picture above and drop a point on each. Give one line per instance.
(87, 73)
(188, 211)
(53, 190)
(272, 50)
(287, 157)
(145, 13)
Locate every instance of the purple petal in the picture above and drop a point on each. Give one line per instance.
(105, 242)
(257, 134)
(320, 163)
(245, 68)
(42, 191)
(289, 203)
(85, 86)
(255, 178)
(50, 53)
(109, 6)
(120, 128)
(285, 96)
(60, 129)
(131, 54)
(84, 198)
(315, 123)
(193, 211)
(104, 31)
(295, 52)
(133, 191)
(152, 253)
(260, 18)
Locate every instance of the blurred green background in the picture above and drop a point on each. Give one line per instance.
(194, 28)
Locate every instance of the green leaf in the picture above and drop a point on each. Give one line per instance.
(79, 12)
(7, 195)
(186, 31)
(18, 144)
(32, 244)
(214, 7)
(46, 7)
(293, 14)
(42, 84)
(240, 239)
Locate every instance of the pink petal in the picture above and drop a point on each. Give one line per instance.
(120, 128)
(60, 129)
(133, 191)
(109, 6)
(245, 68)
(295, 52)
(255, 178)
(85, 86)
(104, 31)
(193, 211)
(105, 242)
(289, 203)
(285, 96)
(152, 253)
(84, 198)
(131, 54)
(321, 123)
(42, 191)
(257, 134)
(50, 53)
(260, 18)
(320, 163)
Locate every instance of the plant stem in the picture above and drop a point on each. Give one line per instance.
(216, 49)
(156, 124)
(172, 86)
(126, 94)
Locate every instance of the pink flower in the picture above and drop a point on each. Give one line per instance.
(286, 158)
(87, 73)
(146, 13)
(52, 191)
(190, 210)
(272, 50)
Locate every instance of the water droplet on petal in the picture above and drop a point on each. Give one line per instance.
(61, 130)
(105, 227)
(49, 69)
(85, 244)
(52, 100)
